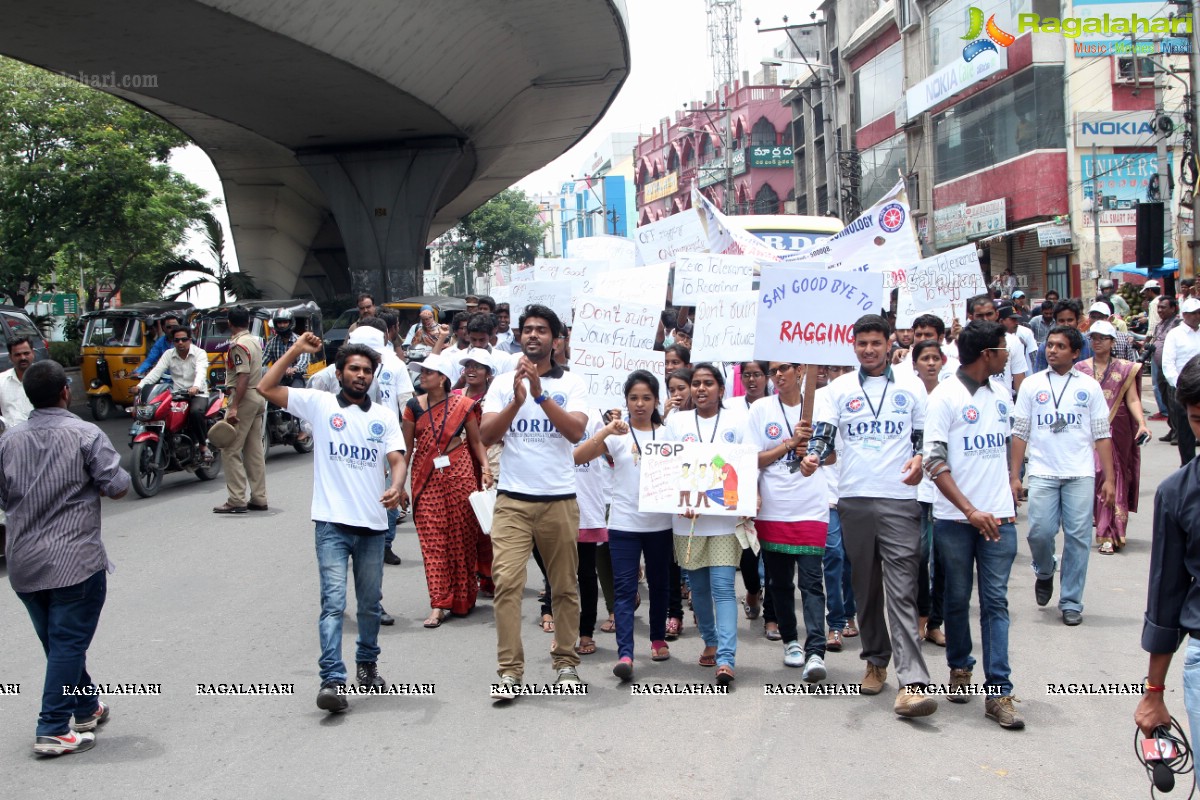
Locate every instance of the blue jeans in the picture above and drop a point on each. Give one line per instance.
(626, 549)
(334, 549)
(960, 550)
(1156, 382)
(713, 587)
(839, 596)
(1191, 685)
(1065, 501)
(65, 620)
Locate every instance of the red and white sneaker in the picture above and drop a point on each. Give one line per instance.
(90, 723)
(70, 742)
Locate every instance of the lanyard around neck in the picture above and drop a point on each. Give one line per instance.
(716, 425)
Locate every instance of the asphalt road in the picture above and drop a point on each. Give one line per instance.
(203, 599)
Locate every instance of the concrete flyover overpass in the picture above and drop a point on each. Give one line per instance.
(347, 133)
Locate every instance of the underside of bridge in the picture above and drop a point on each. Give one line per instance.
(347, 133)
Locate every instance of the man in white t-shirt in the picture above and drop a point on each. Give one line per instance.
(1061, 417)
(792, 519)
(877, 415)
(539, 412)
(354, 440)
(966, 433)
(1011, 320)
(1017, 367)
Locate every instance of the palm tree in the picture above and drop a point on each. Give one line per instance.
(230, 284)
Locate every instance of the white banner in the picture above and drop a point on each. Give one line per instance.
(882, 239)
(948, 278)
(618, 324)
(807, 316)
(523, 275)
(724, 327)
(604, 369)
(617, 250)
(704, 274)
(906, 310)
(719, 478)
(555, 294)
(664, 240)
(724, 235)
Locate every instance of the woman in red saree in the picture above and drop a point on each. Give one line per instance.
(441, 434)
(477, 373)
(1121, 382)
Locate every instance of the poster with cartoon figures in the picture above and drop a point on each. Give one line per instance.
(715, 478)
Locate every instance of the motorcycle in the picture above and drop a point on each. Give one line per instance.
(280, 427)
(160, 440)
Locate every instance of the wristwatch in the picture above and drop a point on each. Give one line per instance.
(541, 398)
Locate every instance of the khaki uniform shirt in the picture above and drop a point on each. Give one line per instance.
(245, 356)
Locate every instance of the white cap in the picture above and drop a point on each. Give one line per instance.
(1100, 308)
(1151, 284)
(1102, 328)
(480, 356)
(435, 362)
(371, 337)
(1190, 306)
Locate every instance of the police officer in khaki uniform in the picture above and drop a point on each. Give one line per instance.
(245, 461)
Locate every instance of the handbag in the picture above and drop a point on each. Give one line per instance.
(483, 503)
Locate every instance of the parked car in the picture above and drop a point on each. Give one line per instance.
(16, 324)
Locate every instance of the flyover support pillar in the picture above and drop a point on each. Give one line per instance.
(383, 200)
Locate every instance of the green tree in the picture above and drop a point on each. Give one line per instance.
(505, 229)
(237, 285)
(84, 186)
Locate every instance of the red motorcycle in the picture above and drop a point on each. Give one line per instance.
(161, 442)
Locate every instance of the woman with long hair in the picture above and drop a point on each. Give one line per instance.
(706, 545)
(1121, 382)
(631, 533)
(441, 437)
(478, 369)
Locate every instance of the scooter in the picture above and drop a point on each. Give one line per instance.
(160, 440)
(280, 427)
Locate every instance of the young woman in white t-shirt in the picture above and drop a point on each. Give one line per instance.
(631, 533)
(753, 375)
(706, 545)
(928, 362)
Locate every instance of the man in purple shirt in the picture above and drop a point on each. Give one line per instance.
(54, 468)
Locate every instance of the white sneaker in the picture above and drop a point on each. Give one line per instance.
(814, 669)
(793, 655)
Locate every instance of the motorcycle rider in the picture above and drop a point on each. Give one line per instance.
(279, 343)
(188, 367)
(161, 345)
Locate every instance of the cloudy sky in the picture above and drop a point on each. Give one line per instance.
(671, 65)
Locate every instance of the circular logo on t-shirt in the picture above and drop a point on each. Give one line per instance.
(901, 400)
(729, 436)
(854, 404)
(971, 414)
(376, 428)
(385, 377)
(1042, 397)
(774, 430)
(337, 422)
(1082, 397)
(1002, 407)
(891, 218)
(690, 437)
(559, 399)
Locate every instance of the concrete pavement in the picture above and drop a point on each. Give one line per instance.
(203, 599)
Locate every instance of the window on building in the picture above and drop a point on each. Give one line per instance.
(766, 201)
(763, 134)
(835, 74)
(706, 149)
(1058, 277)
(822, 201)
(1015, 116)
(1125, 69)
(879, 165)
(878, 85)
(672, 161)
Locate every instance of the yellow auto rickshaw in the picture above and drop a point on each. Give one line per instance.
(212, 330)
(116, 342)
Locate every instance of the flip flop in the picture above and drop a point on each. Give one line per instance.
(708, 660)
(547, 623)
(608, 626)
(436, 619)
(1106, 548)
(659, 652)
(585, 649)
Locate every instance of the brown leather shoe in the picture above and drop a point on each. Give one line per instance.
(960, 679)
(936, 636)
(874, 680)
(833, 642)
(225, 508)
(911, 701)
(256, 506)
(1004, 712)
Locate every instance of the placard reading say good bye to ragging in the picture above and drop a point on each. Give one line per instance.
(807, 316)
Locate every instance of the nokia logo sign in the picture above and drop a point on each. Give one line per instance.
(1117, 129)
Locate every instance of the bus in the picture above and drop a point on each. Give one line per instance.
(789, 231)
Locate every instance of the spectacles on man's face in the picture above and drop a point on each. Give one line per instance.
(184, 340)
